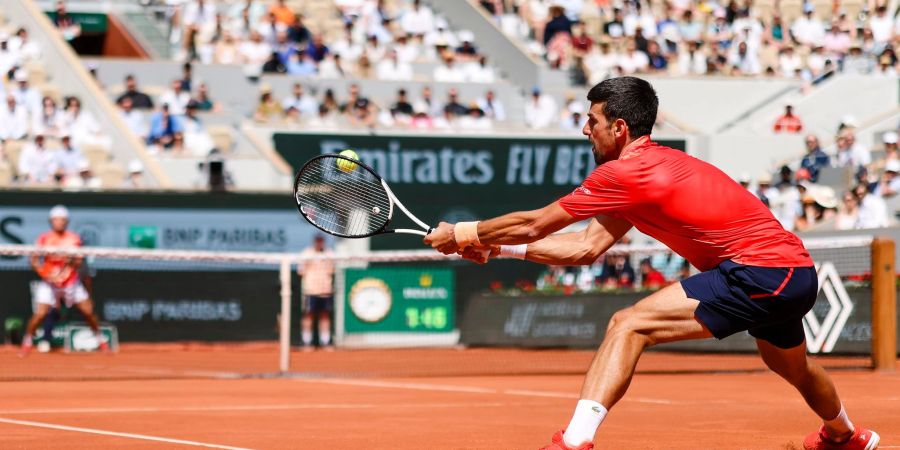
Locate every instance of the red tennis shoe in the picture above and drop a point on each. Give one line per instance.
(861, 439)
(557, 443)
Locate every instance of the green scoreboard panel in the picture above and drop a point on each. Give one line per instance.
(399, 299)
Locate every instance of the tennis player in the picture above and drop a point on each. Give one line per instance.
(755, 275)
(59, 279)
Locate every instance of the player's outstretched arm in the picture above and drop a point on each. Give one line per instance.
(579, 248)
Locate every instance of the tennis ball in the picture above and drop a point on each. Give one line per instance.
(347, 166)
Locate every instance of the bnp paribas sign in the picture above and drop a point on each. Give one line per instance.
(452, 177)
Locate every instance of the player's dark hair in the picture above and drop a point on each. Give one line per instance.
(630, 99)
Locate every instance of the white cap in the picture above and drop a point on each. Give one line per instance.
(135, 166)
(764, 178)
(824, 196)
(21, 75)
(892, 165)
(849, 121)
(59, 211)
(744, 178)
(466, 36)
(889, 138)
(576, 107)
(440, 23)
(84, 165)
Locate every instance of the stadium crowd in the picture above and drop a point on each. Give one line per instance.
(601, 39)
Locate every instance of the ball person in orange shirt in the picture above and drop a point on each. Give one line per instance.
(59, 279)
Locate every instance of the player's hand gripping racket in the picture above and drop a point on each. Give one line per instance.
(346, 198)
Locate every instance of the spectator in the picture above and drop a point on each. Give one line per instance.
(139, 99)
(745, 61)
(318, 293)
(882, 26)
(67, 159)
(634, 60)
(187, 77)
(65, 24)
(418, 20)
(196, 139)
(253, 53)
(37, 163)
(448, 72)
(807, 29)
(273, 64)
(540, 110)
(306, 105)
(176, 97)
(49, 121)
(374, 49)
(600, 61)
(466, 50)
(284, 47)
(165, 129)
(27, 49)
(788, 122)
(406, 51)
(890, 146)
(329, 101)
(392, 69)
(85, 178)
(814, 159)
(559, 23)
(493, 108)
(651, 278)
(283, 14)
(849, 152)
(857, 63)
(474, 119)
(479, 71)
(135, 178)
(317, 49)
(8, 58)
(658, 61)
(14, 120)
(402, 106)
(268, 109)
(836, 42)
(85, 129)
(324, 119)
(26, 95)
(889, 185)
(819, 205)
(300, 63)
(297, 31)
(133, 119)
(848, 213)
(426, 105)
(453, 106)
(617, 272)
(204, 102)
(226, 50)
(873, 211)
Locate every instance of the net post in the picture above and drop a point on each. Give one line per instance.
(884, 305)
(284, 330)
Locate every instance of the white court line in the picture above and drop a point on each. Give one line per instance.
(472, 389)
(144, 437)
(224, 408)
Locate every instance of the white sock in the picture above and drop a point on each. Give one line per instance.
(587, 418)
(306, 336)
(841, 422)
(325, 337)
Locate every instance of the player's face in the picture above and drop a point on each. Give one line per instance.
(59, 224)
(602, 135)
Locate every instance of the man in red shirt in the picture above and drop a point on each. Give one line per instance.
(788, 122)
(59, 275)
(756, 276)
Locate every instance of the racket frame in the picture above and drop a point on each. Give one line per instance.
(392, 201)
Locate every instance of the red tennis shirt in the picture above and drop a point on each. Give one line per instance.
(689, 205)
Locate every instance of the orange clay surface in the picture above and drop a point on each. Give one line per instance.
(207, 397)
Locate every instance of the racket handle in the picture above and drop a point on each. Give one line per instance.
(429, 231)
(485, 254)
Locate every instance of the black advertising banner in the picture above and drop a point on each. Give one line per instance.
(454, 178)
(841, 324)
(163, 306)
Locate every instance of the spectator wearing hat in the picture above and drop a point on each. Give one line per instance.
(37, 164)
(135, 178)
(890, 146)
(26, 95)
(391, 68)
(474, 119)
(268, 108)
(744, 180)
(889, 185)
(814, 159)
(14, 120)
(83, 179)
(819, 205)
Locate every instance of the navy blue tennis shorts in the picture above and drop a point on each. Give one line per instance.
(768, 302)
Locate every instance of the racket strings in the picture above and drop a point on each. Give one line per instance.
(352, 203)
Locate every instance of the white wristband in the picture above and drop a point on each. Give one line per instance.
(513, 251)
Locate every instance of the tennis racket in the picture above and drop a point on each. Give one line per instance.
(346, 198)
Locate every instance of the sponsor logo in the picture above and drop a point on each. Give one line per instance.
(822, 335)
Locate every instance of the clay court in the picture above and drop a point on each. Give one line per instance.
(150, 397)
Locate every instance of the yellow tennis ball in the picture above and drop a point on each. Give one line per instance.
(347, 166)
